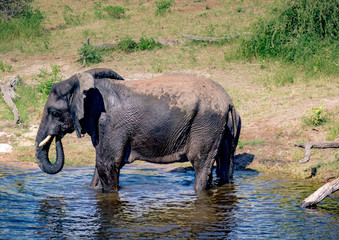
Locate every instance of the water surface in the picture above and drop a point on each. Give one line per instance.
(156, 204)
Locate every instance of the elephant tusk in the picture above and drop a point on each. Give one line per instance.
(45, 140)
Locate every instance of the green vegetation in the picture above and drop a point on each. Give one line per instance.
(333, 131)
(315, 117)
(90, 54)
(302, 31)
(28, 104)
(47, 79)
(20, 26)
(318, 116)
(115, 12)
(163, 6)
(10, 8)
(128, 45)
(242, 144)
(5, 67)
(70, 17)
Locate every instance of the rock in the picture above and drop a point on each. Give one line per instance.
(5, 148)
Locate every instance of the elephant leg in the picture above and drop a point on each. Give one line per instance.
(203, 164)
(109, 175)
(96, 183)
(225, 162)
(203, 175)
(109, 161)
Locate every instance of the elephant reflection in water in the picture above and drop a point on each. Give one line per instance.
(209, 215)
(52, 212)
(167, 119)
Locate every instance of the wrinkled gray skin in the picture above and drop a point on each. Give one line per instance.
(161, 120)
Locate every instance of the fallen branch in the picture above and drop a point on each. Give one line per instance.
(203, 39)
(320, 194)
(163, 41)
(212, 39)
(7, 92)
(310, 145)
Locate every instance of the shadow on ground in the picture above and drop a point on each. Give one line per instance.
(241, 161)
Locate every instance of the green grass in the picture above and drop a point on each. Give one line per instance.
(163, 6)
(5, 67)
(20, 29)
(258, 142)
(115, 12)
(29, 105)
(303, 32)
(46, 79)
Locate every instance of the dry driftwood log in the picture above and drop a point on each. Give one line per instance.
(7, 92)
(163, 41)
(321, 193)
(212, 39)
(310, 145)
(203, 39)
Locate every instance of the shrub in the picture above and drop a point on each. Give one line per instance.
(163, 6)
(148, 44)
(115, 12)
(90, 54)
(47, 79)
(128, 45)
(315, 116)
(10, 8)
(299, 31)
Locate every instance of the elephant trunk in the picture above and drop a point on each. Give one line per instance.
(41, 154)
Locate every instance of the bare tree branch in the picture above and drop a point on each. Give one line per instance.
(321, 193)
(7, 92)
(310, 145)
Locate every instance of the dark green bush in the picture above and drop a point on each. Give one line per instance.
(129, 45)
(115, 12)
(90, 54)
(300, 31)
(12, 8)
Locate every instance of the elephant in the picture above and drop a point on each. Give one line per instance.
(166, 119)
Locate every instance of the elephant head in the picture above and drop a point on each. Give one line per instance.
(64, 112)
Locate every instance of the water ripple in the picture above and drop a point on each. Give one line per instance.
(157, 204)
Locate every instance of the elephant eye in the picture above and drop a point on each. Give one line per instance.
(55, 114)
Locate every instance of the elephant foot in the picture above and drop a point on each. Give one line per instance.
(96, 183)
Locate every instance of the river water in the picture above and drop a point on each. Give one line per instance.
(154, 203)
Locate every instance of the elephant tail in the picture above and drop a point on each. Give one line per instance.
(236, 124)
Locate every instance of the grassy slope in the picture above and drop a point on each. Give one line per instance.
(271, 113)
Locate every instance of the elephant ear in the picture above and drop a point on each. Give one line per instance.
(86, 82)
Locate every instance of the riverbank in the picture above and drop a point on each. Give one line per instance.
(272, 122)
(281, 102)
